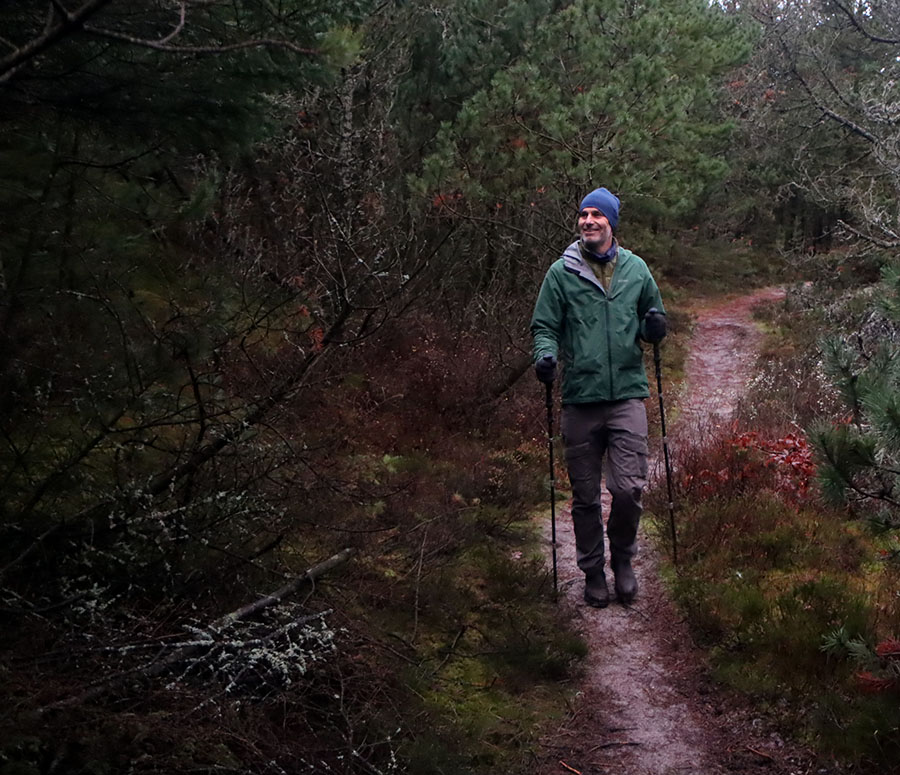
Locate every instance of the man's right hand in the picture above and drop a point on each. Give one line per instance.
(654, 326)
(545, 368)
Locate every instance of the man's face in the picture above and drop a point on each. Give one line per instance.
(595, 230)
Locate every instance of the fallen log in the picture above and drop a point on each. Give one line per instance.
(159, 666)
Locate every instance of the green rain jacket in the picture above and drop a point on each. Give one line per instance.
(595, 334)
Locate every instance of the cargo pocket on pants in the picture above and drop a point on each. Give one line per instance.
(627, 465)
(583, 476)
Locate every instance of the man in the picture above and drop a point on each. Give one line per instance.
(594, 305)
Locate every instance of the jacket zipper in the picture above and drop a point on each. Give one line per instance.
(608, 346)
(609, 359)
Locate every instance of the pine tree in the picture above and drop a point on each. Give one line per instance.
(119, 123)
(861, 455)
(824, 83)
(622, 92)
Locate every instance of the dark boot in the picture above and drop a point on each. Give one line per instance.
(626, 583)
(596, 593)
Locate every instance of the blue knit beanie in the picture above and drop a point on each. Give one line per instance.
(606, 202)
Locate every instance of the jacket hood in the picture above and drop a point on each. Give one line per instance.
(573, 254)
(575, 263)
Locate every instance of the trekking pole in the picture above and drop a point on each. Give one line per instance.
(665, 441)
(549, 386)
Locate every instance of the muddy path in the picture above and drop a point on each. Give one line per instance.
(646, 705)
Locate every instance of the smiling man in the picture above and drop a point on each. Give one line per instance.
(597, 302)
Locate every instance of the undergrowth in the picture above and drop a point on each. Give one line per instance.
(796, 599)
(436, 648)
(690, 265)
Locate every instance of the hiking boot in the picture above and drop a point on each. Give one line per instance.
(626, 583)
(596, 593)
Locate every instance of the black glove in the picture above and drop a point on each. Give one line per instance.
(545, 368)
(654, 325)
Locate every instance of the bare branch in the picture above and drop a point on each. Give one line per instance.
(254, 415)
(847, 123)
(161, 45)
(860, 29)
(158, 667)
(63, 22)
(178, 28)
(869, 238)
(288, 589)
(52, 34)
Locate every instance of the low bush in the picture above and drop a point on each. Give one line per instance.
(436, 648)
(791, 596)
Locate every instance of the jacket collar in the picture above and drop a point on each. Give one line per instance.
(601, 258)
(577, 265)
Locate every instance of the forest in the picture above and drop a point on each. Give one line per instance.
(273, 457)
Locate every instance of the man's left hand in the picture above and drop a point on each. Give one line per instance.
(654, 326)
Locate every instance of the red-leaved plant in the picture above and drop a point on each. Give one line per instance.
(886, 678)
(749, 462)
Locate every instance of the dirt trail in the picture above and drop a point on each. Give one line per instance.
(646, 706)
(723, 350)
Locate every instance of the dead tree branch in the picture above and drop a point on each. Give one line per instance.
(887, 245)
(852, 18)
(52, 34)
(161, 45)
(848, 124)
(61, 23)
(288, 589)
(156, 668)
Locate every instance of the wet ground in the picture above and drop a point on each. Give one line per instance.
(724, 347)
(646, 705)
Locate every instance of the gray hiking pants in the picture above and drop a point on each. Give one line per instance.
(618, 430)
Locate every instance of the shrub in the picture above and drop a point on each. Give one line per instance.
(767, 570)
